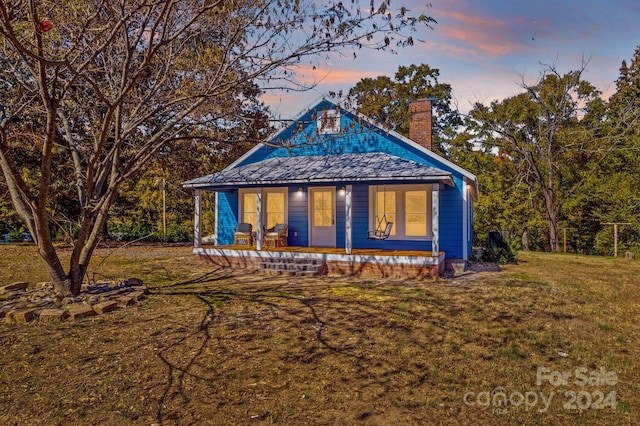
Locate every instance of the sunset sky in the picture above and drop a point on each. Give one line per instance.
(484, 49)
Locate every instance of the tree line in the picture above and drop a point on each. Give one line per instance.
(554, 160)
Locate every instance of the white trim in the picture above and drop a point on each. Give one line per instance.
(328, 123)
(436, 157)
(380, 259)
(435, 219)
(310, 212)
(419, 147)
(399, 224)
(406, 140)
(348, 219)
(197, 227)
(258, 219)
(241, 193)
(215, 218)
(244, 156)
(465, 220)
(280, 190)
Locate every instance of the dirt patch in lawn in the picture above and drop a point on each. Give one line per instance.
(215, 346)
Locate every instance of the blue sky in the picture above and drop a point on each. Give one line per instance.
(484, 49)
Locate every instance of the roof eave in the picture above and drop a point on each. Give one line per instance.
(445, 179)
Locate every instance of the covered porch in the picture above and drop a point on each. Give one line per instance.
(330, 205)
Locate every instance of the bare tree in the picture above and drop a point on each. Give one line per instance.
(98, 87)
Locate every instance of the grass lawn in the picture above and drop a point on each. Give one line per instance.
(215, 346)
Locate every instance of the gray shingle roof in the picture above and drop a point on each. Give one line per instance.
(374, 166)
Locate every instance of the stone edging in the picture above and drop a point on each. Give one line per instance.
(21, 304)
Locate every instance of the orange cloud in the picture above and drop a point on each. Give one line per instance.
(472, 34)
(469, 20)
(331, 75)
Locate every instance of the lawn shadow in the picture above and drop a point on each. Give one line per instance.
(276, 326)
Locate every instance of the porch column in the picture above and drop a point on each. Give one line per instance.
(348, 220)
(197, 239)
(465, 220)
(435, 219)
(215, 219)
(259, 219)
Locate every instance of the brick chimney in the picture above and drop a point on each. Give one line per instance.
(420, 122)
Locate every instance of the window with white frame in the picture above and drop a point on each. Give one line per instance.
(415, 213)
(407, 206)
(274, 206)
(323, 208)
(249, 208)
(385, 210)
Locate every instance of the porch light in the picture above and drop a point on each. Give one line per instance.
(300, 190)
(342, 190)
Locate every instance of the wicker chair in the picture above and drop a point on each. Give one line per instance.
(243, 235)
(276, 236)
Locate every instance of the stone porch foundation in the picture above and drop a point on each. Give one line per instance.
(367, 265)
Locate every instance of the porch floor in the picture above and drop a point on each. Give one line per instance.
(327, 250)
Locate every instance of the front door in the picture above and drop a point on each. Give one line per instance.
(322, 215)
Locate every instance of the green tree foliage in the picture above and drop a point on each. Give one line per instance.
(98, 88)
(138, 208)
(552, 134)
(9, 219)
(612, 195)
(387, 101)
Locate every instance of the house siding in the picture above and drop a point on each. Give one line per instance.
(227, 216)
(357, 138)
(452, 208)
(298, 222)
(470, 225)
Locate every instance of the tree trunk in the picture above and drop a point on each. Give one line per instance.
(76, 275)
(36, 220)
(553, 234)
(552, 219)
(60, 280)
(525, 237)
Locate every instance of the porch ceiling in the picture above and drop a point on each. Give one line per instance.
(345, 168)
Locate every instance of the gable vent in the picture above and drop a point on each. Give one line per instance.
(329, 122)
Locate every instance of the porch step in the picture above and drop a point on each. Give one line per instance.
(293, 267)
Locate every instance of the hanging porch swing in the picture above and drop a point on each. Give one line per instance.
(383, 227)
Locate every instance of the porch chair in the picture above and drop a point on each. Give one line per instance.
(276, 236)
(379, 234)
(243, 234)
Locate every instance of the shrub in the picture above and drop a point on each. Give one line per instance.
(177, 233)
(498, 249)
(15, 236)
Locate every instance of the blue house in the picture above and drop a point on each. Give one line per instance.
(355, 197)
